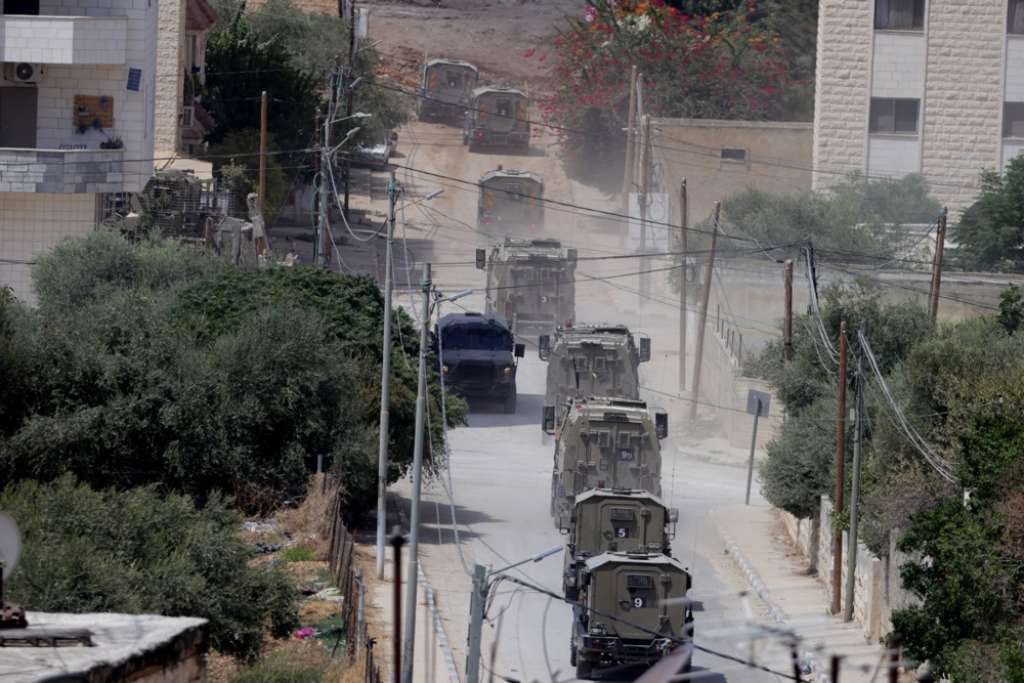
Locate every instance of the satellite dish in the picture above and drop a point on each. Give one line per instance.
(10, 545)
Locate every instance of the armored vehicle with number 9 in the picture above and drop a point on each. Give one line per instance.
(593, 360)
(531, 283)
(603, 443)
(631, 609)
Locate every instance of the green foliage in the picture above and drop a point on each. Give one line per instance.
(298, 553)
(990, 233)
(163, 366)
(136, 551)
(283, 666)
(966, 587)
(856, 216)
(237, 158)
(798, 468)
(1011, 309)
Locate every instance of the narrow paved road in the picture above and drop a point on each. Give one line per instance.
(500, 465)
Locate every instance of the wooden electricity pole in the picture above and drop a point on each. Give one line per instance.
(940, 243)
(787, 323)
(262, 185)
(627, 176)
(683, 225)
(837, 534)
(701, 328)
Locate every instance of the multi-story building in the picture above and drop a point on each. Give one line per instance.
(934, 87)
(76, 119)
(181, 121)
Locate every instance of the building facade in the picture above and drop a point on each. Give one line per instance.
(934, 87)
(76, 119)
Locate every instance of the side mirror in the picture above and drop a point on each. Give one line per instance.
(481, 259)
(645, 349)
(520, 350)
(572, 255)
(548, 422)
(544, 346)
(661, 424)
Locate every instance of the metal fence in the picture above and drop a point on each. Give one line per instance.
(352, 585)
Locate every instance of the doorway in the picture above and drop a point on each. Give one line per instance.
(18, 117)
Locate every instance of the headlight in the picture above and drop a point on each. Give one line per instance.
(599, 629)
(508, 371)
(444, 369)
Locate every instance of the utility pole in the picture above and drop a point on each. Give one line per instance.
(940, 244)
(645, 163)
(396, 542)
(701, 329)
(477, 605)
(627, 176)
(837, 535)
(326, 173)
(858, 435)
(684, 209)
(262, 186)
(350, 90)
(787, 324)
(753, 445)
(417, 478)
(385, 384)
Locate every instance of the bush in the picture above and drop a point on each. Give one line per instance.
(135, 551)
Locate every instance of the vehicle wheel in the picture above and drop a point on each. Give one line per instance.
(510, 402)
(584, 670)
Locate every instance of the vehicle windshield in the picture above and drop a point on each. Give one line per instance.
(477, 338)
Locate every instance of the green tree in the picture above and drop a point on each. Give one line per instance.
(1011, 309)
(990, 233)
(137, 551)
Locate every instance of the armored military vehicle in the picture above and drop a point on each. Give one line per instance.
(497, 117)
(510, 201)
(603, 443)
(479, 356)
(631, 610)
(446, 86)
(593, 360)
(615, 520)
(531, 283)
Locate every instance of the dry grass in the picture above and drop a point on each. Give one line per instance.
(308, 523)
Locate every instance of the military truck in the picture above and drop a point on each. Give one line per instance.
(603, 443)
(497, 117)
(631, 610)
(593, 360)
(615, 520)
(531, 283)
(479, 356)
(446, 86)
(510, 201)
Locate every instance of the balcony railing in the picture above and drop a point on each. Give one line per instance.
(63, 40)
(64, 171)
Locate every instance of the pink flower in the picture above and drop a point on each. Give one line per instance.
(529, 53)
(590, 14)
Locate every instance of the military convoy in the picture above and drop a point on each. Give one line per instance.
(593, 360)
(510, 201)
(446, 86)
(497, 117)
(531, 283)
(479, 356)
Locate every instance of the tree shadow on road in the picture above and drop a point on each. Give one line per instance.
(491, 413)
(436, 520)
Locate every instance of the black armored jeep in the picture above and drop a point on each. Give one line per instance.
(479, 356)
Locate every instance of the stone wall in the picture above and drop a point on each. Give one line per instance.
(842, 88)
(170, 76)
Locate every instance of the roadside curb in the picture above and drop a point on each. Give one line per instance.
(809, 663)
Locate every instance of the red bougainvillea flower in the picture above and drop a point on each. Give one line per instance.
(529, 53)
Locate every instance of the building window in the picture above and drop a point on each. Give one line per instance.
(893, 115)
(1013, 119)
(733, 154)
(904, 15)
(1015, 17)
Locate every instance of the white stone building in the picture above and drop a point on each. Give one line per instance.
(919, 86)
(76, 119)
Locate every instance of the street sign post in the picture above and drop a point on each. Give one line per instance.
(758, 403)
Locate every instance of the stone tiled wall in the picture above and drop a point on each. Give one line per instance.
(170, 75)
(32, 223)
(842, 87)
(963, 104)
(48, 171)
(63, 40)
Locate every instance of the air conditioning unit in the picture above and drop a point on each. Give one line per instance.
(23, 73)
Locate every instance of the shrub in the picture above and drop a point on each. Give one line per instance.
(298, 553)
(136, 551)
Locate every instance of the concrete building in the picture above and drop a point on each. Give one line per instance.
(76, 119)
(181, 120)
(919, 86)
(89, 648)
(720, 158)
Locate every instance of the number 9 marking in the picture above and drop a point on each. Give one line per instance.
(638, 602)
